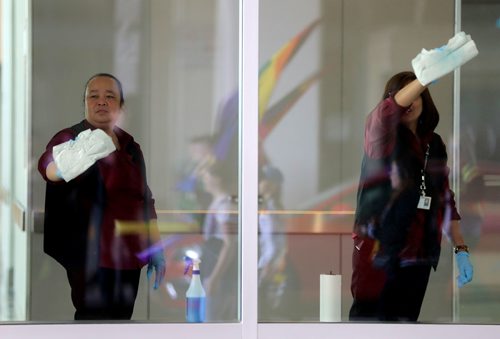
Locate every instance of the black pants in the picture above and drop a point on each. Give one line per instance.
(364, 310)
(403, 294)
(107, 294)
(400, 298)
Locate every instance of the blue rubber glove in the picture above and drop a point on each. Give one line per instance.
(465, 270)
(156, 262)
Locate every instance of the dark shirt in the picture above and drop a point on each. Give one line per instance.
(121, 211)
(387, 140)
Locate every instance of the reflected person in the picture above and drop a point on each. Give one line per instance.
(272, 241)
(277, 278)
(219, 261)
(404, 199)
(193, 195)
(99, 210)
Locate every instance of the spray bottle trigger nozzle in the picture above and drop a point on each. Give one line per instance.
(188, 264)
(191, 263)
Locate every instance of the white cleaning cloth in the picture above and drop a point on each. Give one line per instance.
(457, 41)
(431, 65)
(427, 58)
(74, 157)
(448, 64)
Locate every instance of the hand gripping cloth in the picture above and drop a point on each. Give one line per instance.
(74, 157)
(432, 65)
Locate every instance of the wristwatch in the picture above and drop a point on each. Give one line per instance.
(461, 248)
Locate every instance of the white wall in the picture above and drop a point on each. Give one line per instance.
(15, 163)
(293, 145)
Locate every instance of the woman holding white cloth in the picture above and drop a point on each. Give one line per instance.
(96, 183)
(404, 195)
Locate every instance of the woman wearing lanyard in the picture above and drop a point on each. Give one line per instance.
(404, 201)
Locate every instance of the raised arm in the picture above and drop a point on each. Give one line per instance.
(409, 93)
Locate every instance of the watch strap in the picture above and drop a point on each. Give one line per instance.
(461, 248)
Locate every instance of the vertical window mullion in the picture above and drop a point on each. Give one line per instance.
(248, 142)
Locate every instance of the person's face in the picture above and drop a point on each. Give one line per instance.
(267, 188)
(211, 182)
(102, 102)
(410, 117)
(199, 151)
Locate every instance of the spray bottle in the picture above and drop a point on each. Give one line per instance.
(195, 295)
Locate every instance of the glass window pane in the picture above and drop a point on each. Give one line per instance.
(323, 69)
(479, 161)
(177, 61)
(326, 77)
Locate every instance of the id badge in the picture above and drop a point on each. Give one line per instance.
(424, 202)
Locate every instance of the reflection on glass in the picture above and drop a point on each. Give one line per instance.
(480, 163)
(99, 211)
(277, 279)
(404, 201)
(219, 252)
(349, 55)
(177, 61)
(291, 218)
